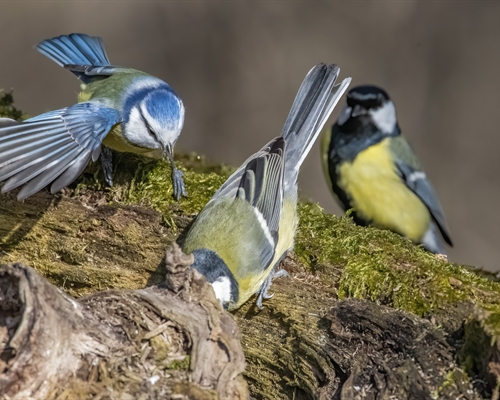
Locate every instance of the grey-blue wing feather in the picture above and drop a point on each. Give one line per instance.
(4, 122)
(91, 70)
(230, 187)
(53, 147)
(418, 183)
(262, 184)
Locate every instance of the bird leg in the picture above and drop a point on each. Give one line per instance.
(177, 174)
(264, 289)
(107, 164)
(178, 182)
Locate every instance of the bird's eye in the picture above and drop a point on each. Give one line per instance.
(151, 132)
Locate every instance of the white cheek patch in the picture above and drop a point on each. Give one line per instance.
(384, 117)
(169, 135)
(137, 133)
(345, 114)
(222, 289)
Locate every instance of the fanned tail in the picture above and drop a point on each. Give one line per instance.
(75, 49)
(317, 97)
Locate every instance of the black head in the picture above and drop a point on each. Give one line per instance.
(368, 109)
(215, 270)
(367, 96)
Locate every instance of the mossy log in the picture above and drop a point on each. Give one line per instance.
(402, 338)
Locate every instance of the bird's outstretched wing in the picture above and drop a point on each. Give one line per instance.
(410, 171)
(53, 147)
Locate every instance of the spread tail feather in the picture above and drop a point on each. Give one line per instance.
(315, 101)
(75, 49)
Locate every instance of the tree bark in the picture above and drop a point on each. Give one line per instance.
(167, 341)
(130, 342)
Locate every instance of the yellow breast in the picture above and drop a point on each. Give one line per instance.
(379, 195)
(288, 224)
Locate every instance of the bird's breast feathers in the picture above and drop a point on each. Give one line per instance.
(379, 195)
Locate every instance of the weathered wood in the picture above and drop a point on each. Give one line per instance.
(159, 342)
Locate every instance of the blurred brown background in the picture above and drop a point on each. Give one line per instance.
(237, 66)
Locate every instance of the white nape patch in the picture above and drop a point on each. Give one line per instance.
(149, 82)
(415, 176)
(384, 117)
(136, 132)
(263, 225)
(222, 289)
(345, 114)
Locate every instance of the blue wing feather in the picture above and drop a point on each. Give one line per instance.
(42, 148)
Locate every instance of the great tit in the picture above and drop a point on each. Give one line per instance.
(249, 224)
(122, 108)
(371, 169)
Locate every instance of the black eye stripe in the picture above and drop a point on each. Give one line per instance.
(150, 130)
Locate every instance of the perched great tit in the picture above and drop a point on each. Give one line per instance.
(122, 108)
(249, 224)
(371, 168)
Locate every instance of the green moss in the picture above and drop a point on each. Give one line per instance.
(491, 320)
(140, 180)
(7, 109)
(182, 365)
(385, 267)
(456, 381)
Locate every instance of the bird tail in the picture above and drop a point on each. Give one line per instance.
(75, 49)
(317, 97)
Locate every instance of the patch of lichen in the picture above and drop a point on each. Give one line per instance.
(385, 267)
(7, 109)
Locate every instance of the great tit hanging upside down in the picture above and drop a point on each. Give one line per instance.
(122, 108)
(371, 168)
(249, 224)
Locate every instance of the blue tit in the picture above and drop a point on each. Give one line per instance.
(121, 108)
(249, 224)
(371, 169)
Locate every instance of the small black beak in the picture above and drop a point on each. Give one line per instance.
(168, 153)
(357, 111)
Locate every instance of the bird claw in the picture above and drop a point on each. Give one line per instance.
(264, 289)
(178, 183)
